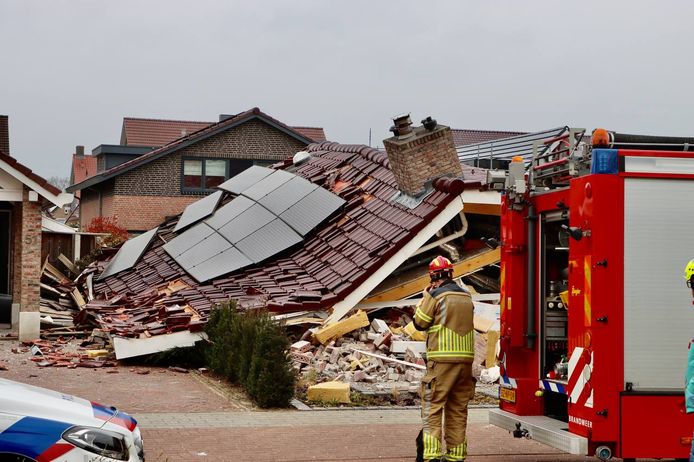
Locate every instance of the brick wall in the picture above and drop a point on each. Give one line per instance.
(27, 253)
(422, 157)
(142, 213)
(251, 140)
(93, 204)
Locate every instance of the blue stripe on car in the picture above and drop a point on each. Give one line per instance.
(31, 436)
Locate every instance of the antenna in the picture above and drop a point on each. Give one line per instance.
(369, 136)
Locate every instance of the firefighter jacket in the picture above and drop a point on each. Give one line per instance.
(446, 314)
(689, 379)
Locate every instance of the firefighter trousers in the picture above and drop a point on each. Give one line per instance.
(446, 390)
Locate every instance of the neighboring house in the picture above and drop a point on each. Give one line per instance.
(163, 166)
(23, 194)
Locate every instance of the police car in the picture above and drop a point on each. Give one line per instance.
(40, 425)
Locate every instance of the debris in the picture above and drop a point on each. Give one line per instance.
(379, 326)
(340, 328)
(301, 346)
(178, 369)
(35, 350)
(337, 392)
(68, 264)
(97, 353)
(492, 339)
(401, 346)
(387, 358)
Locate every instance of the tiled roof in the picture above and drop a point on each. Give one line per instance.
(332, 262)
(83, 167)
(187, 141)
(157, 132)
(315, 133)
(26, 171)
(463, 137)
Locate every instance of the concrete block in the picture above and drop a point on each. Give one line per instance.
(401, 346)
(29, 325)
(379, 326)
(329, 391)
(301, 346)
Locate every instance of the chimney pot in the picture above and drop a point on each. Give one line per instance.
(429, 123)
(79, 151)
(402, 125)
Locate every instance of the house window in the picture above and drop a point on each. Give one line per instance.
(201, 175)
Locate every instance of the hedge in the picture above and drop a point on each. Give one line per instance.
(251, 350)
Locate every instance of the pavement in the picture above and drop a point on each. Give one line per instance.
(195, 417)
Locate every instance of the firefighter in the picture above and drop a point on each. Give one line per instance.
(446, 312)
(689, 377)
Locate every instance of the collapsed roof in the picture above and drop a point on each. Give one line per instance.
(334, 264)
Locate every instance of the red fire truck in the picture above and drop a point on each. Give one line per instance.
(595, 316)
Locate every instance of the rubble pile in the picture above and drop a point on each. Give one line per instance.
(372, 358)
(61, 352)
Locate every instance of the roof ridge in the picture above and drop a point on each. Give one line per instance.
(486, 131)
(151, 119)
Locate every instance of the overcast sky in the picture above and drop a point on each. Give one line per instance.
(70, 70)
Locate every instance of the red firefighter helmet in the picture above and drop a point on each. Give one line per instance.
(440, 265)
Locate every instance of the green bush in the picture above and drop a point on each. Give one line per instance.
(250, 349)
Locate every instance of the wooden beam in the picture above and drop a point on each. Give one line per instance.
(482, 209)
(68, 264)
(414, 286)
(340, 328)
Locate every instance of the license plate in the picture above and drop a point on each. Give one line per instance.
(507, 394)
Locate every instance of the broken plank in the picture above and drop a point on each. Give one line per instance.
(77, 297)
(52, 270)
(340, 328)
(387, 358)
(68, 264)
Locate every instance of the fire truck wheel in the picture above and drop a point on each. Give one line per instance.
(603, 453)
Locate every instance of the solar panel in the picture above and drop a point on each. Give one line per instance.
(244, 180)
(268, 184)
(129, 253)
(310, 211)
(222, 263)
(206, 249)
(188, 239)
(198, 210)
(246, 223)
(228, 212)
(269, 240)
(287, 195)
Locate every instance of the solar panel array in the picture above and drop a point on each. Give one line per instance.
(198, 210)
(129, 253)
(273, 211)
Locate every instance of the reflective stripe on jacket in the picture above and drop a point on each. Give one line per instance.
(446, 313)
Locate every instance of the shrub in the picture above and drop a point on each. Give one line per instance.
(109, 225)
(250, 349)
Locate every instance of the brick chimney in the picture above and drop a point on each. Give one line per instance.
(4, 134)
(79, 151)
(418, 155)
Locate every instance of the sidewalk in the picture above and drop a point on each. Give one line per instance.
(326, 435)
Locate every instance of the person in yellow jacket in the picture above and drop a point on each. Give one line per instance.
(446, 313)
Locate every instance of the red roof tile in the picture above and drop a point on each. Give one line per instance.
(462, 137)
(159, 132)
(314, 133)
(27, 172)
(83, 167)
(331, 263)
(156, 132)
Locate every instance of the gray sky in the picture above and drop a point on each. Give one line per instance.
(70, 70)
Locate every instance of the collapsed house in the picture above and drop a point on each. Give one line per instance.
(322, 231)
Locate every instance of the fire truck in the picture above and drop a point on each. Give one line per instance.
(596, 318)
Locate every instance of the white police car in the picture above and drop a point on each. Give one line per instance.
(41, 425)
